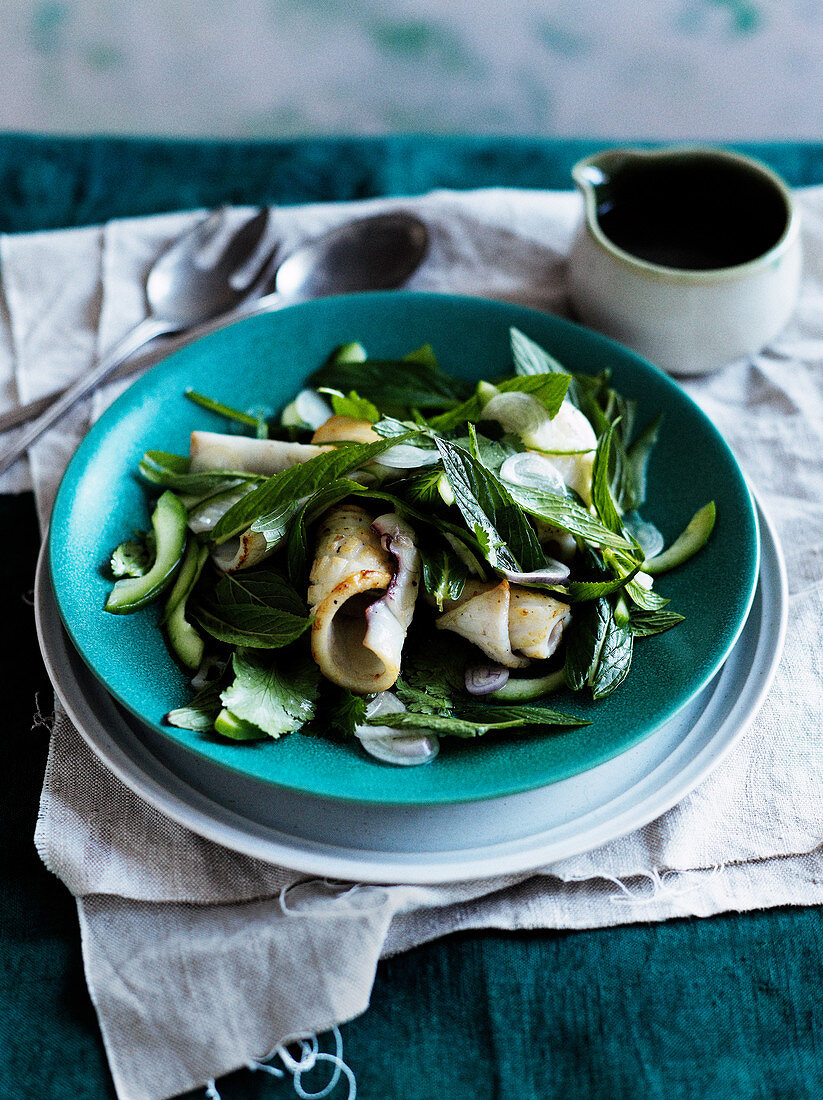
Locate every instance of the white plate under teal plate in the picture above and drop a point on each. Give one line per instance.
(373, 842)
(264, 361)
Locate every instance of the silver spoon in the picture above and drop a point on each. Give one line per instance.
(378, 252)
(204, 273)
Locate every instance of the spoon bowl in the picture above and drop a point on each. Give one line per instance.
(375, 253)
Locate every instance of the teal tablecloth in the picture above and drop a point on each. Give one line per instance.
(728, 1008)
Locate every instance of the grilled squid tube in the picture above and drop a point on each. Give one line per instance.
(509, 623)
(362, 591)
(214, 451)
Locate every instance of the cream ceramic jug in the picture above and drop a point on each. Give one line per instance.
(690, 256)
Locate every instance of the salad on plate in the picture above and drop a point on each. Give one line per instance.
(402, 555)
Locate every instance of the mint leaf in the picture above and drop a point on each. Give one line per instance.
(585, 636)
(295, 483)
(548, 389)
(508, 540)
(632, 490)
(615, 659)
(395, 386)
(259, 609)
(172, 472)
(601, 493)
(483, 720)
(444, 574)
(566, 513)
(645, 623)
(530, 358)
(276, 696)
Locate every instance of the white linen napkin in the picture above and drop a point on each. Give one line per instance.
(176, 930)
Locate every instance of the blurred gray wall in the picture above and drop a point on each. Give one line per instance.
(740, 69)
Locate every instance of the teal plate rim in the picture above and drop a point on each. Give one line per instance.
(100, 501)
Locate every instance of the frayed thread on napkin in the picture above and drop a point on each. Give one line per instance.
(310, 1056)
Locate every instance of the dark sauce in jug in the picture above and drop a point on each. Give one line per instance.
(692, 212)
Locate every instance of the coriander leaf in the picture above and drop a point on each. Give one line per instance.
(435, 664)
(353, 405)
(133, 558)
(490, 512)
(259, 609)
(199, 714)
(419, 701)
(345, 712)
(295, 483)
(275, 695)
(645, 623)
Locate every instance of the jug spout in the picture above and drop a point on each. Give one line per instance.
(595, 177)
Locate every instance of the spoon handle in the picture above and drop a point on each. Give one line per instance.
(147, 330)
(22, 414)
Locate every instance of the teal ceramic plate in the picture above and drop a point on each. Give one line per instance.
(263, 361)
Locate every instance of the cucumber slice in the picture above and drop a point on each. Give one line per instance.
(169, 525)
(229, 725)
(186, 642)
(527, 689)
(694, 537)
(353, 352)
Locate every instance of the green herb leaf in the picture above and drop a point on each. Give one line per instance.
(530, 358)
(444, 574)
(258, 609)
(645, 623)
(199, 714)
(222, 410)
(632, 492)
(601, 493)
(172, 472)
(395, 386)
(483, 720)
(645, 598)
(133, 558)
(353, 405)
(296, 483)
(585, 636)
(548, 389)
(615, 660)
(278, 696)
(506, 536)
(566, 513)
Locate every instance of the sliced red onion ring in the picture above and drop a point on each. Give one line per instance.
(394, 746)
(533, 471)
(419, 749)
(555, 572)
(482, 679)
(405, 456)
